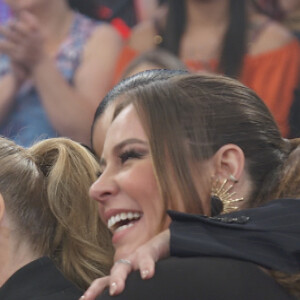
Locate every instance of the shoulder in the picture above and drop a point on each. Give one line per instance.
(105, 32)
(268, 35)
(103, 37)
(203, 278)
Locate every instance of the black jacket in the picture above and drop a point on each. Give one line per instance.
(39, 280)
(223, 254)
(202, 278)
(268, 235)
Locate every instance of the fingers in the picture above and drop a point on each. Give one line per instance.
(96, 288)
(10, 34)
(30, 20)
(118, 275)
(146, 267)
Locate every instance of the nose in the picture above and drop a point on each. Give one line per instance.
(103, 188)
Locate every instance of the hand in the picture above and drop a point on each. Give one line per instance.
(142, 259)
(23, 41)
(19, 73)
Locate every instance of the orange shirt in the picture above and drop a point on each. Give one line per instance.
(273, 75)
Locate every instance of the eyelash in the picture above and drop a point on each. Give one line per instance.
(130, 154)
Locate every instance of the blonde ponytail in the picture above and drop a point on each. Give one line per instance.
(81, 244)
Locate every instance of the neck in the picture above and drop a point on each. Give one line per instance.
(13, 256)
(207, 13)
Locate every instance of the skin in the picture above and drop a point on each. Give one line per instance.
(121, 188)
(101, 126)
(32, 41)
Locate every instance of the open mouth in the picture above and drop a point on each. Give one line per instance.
(122, 221)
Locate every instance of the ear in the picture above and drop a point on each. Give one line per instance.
(2, 208)
(229, 160)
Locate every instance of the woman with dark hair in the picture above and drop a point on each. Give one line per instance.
(55, 64)
(205, 145)
(228, 37)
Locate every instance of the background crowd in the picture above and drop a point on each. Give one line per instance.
(74, 107)
(56, 64)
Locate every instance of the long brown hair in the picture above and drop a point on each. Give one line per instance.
(45, 189)
(206, 112)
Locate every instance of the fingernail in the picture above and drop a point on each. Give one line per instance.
(144, 274)
(113, 288)
(82, 297)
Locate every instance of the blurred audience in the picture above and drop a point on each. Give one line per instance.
(56, 65)
(4, 12)
(53, 243)
(229, 37)
(285, 11)
(124, 14)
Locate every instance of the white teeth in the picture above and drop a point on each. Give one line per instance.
(123, 227)
(122, 217)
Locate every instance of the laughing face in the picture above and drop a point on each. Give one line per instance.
(127, 191)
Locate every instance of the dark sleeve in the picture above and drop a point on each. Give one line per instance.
(268, 236)
(202, 279)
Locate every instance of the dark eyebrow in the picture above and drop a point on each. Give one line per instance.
(128, 142)
(119, 146)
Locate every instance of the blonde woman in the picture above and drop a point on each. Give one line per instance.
(53, 243)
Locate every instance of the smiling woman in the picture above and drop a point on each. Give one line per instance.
(188, 142)
(130, 204)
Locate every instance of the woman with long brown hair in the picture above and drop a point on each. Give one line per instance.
(205, 145)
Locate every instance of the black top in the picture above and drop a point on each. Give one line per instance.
(39, 280)
(268, 235)
(202, 278)
(223, 255)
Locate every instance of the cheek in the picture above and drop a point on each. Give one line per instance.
(142, 186)
(101, 212)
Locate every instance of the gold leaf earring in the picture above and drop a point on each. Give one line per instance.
(224, 192)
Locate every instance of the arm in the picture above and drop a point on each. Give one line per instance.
(8, 88)
(145, 9)
(11, 80)
(267, 236)
(71, 109)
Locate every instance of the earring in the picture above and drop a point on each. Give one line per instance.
(223, 192)
(233, 179)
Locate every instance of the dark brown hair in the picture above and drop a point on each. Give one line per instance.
(206, 112)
